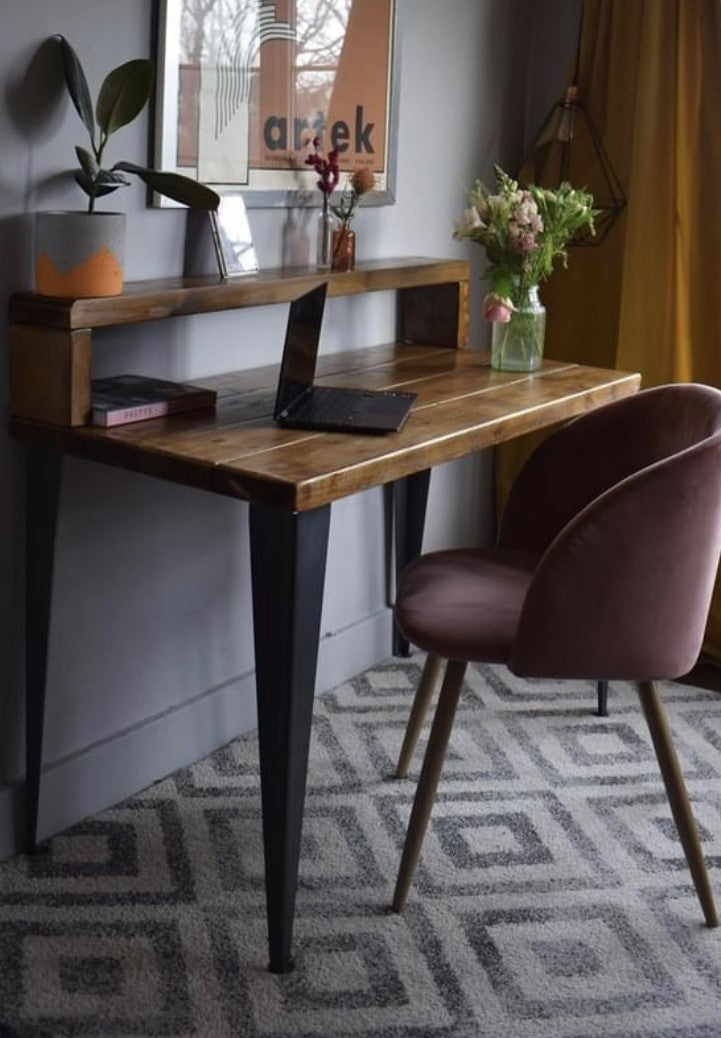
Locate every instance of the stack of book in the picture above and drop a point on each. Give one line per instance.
(133, 398)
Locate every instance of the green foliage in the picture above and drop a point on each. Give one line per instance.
(173, 185)
(122, 97)
(124, 94)
(77, 85)
(523, 230)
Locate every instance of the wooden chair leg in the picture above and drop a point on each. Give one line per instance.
(429, 677)
(660, 730)
(428, 782)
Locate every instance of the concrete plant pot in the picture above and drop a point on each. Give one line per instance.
(79, 254)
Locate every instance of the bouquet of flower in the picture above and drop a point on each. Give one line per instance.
(523, 231)
(360, 182)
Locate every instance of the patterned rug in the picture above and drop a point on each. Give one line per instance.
(552, 899)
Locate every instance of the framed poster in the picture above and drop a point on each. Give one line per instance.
(244, 86)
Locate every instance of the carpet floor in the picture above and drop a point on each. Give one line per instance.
(552, 899)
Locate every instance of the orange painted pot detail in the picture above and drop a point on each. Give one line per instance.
(79, 255)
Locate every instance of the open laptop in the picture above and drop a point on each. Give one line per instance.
(301, 405)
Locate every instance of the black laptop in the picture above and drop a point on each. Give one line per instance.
(301, 405)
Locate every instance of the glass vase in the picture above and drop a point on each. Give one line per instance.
(343, 257)
(518, 345)
(326, 226)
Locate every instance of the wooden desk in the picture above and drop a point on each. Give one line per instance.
(288, 477)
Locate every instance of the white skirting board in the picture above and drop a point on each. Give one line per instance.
(118, 767)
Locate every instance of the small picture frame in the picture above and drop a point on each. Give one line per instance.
(232, 239)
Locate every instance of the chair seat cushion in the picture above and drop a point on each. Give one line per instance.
(465, 604)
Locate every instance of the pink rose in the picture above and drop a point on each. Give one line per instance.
(497, 308)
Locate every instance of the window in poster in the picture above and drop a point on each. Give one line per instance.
(232, 239)
(245, 86)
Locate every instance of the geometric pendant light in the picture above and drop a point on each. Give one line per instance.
(568, 147)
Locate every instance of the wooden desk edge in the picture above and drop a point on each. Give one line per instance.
(303, 495)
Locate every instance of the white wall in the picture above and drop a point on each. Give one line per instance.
(151, 654)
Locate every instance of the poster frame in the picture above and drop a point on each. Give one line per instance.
(272, 194)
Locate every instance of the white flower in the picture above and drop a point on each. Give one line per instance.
(470, 221)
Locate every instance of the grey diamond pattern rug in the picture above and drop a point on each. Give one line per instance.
(552, 899)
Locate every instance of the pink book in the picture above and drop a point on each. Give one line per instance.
(135, 398)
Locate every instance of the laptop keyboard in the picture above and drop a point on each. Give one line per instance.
(333, 405)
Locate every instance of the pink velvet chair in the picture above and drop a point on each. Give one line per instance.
(604, 568)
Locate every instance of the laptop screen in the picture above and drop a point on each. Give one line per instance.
(300, 352)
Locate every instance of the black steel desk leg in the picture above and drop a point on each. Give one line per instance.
(44, 469)
(410, 496)
(602, 690)
(288, 556)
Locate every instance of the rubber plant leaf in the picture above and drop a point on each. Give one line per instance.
(77, 85)
(173, 185)
(87, 161)
(109, 176)
(124, 94)
(92, 188)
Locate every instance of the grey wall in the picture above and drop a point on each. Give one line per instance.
(151, 660)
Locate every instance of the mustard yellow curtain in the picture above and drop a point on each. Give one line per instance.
(649, 298)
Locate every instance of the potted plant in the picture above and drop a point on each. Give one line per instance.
(81, 254)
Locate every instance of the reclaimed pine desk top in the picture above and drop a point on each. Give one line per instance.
(462, 406)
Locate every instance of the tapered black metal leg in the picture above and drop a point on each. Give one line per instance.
(410, 496)
(288, 555)
(44, 469)
(603, 699)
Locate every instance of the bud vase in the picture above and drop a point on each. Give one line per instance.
(343, 257)
(326, 226)
(518, 345)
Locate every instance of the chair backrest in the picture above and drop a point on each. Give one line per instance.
(576, 463)
(623, 589)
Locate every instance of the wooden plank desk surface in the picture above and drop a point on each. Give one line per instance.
(462, 406)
